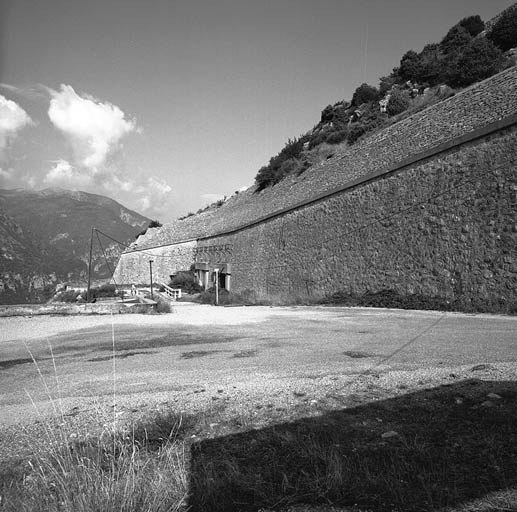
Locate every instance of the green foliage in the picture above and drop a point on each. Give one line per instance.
(387, 82)
(67, 296)
(370, 120)
(455, 40)
(430, 66)
(333, 129)
(317, 139)
(398, 102)
(189, 214)
(276, 170)
(186, 280)
(365, 94)
(336, 137)
(47, 293)
(409, 68)
(460, 59)
(393, 299)
(106, 290)
(336, 115)
(478, 61)
(327, 114)
(454, 60)
(245, 298)
(504, 31)
(162, 306)
(357, 131)
(474, 25)
(152, 224)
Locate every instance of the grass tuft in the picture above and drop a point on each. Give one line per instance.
(138, 468)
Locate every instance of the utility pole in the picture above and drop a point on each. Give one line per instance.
(151, 272)
(216, 270)
(90, 268)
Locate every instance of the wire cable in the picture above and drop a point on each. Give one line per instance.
(105, 257)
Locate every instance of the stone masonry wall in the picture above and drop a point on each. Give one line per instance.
(133, 267)
(444, 229)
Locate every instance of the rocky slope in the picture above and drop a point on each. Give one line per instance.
(45, 239)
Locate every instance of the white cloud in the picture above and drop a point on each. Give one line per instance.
(124, 185)
(153, 196)
(12, 119)
(64, 174)
(61, 171)
(94, 129)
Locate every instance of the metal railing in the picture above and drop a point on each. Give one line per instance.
(172, 293)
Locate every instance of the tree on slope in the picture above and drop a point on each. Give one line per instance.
(504, 31)
(479, 60)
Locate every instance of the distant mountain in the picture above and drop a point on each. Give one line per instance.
(45, 239)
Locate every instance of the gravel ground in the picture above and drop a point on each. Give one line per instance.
(245, 366)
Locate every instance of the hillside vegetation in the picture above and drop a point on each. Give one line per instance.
(468, 53)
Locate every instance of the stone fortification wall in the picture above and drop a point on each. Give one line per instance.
(444, 229)
(474, 108)
(133, 267)
(426, 207)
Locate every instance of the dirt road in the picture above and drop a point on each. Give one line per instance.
(242, 358)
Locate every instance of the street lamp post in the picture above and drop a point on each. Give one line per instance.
(151, 273)
(216, 271)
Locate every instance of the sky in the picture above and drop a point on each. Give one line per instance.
(169, 105)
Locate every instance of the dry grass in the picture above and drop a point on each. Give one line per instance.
(114, 472)
(444, 451)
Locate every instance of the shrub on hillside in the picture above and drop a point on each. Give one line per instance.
(187, 282)
(152, 224)
(455, 40)
(504, 31)
(387, 82)
(336, 137)
(336, 115)
(162, 305)
(430, 65)
(365, 94)
(244, 298)
(479, 60)
(106, 290)
(317, 139)
(327, 114)
(398, 102)
(460, 59)
(371, 119)
(274, 172)
(67, 296)
(409, 68)
(474, 25)
(47, 293)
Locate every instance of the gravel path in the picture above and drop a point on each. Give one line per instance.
(257, 364)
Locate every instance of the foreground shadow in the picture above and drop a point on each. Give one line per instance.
(421, 451)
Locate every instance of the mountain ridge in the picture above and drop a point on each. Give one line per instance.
(45, 239)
